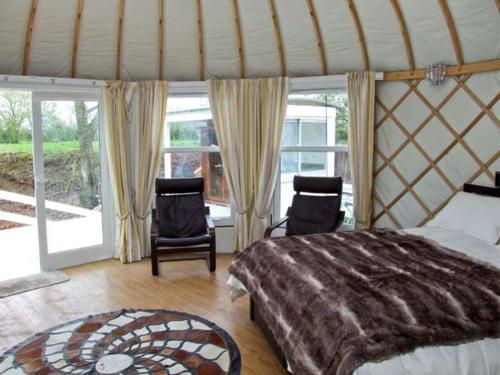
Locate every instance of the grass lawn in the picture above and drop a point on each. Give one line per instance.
(48, 147)
(63, 147)
(185, 143)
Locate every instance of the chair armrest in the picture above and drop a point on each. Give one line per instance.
(154, 224)
(340, 221)
(210, 223)
(274, 226)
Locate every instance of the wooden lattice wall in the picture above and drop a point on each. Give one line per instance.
(429, 142)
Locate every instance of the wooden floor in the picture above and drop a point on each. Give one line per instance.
(109, 285)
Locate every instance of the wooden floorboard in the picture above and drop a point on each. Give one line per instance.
(109, 285)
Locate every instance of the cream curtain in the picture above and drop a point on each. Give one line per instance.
(116, 96)
(150, 119)
(248, 119)
(134, 127)
(273, 97)
(361, 94)
(234, 105)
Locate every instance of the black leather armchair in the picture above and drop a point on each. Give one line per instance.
(181, 226)
(317, 211)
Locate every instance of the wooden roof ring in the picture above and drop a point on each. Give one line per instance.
(121, 11)
(200, 40)
(237, 26)
(277, 34)
(453, 31)
(160, 39)
(361, 35)
(404, 34)
(76, 36)
(319, 38)
(29, 33)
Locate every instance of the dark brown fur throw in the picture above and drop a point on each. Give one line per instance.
(336, 301)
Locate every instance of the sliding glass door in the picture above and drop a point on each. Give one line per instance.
(70, 180)
(18, 235)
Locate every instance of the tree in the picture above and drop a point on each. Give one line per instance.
(16, 120)
(340, 101)
(186, 133)
(55, 129)
(86, 125)
(15, 116)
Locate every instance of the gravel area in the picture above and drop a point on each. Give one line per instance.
(9, 225)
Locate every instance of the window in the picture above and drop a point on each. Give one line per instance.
(191, 149)
(315, 144)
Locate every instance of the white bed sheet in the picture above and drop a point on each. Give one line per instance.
(480, 357)
(460, 242)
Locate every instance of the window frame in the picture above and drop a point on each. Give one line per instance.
(196, 91)
(308, 86)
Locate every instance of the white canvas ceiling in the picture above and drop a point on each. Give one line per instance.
(51, 48)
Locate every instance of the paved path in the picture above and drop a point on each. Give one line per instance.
(26, 199)
(17, 218)
(19, 246)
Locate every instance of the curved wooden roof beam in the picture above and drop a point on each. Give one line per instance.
(361, 35)
(319, 38)
(277, 34)
(404, 34)
(201, 48)
(121, 11)
(237, 26)
(453, 31)
(29, 33)
(76, 36)
(160, 39)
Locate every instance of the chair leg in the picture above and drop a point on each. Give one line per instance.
(154, 258)
(252, 310)
(212, 263)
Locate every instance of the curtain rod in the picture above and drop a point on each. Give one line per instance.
(175, 87)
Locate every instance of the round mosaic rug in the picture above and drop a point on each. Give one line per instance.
(127, 342)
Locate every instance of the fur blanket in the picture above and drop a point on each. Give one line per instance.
(335, 301)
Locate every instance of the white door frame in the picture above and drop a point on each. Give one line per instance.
(53, 261)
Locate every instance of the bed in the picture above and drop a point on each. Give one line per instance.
(476, 355)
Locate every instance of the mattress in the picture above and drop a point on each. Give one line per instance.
(473, 358)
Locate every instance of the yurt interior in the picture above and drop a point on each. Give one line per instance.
(254, 187)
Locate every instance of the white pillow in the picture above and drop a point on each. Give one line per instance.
(473, 214)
